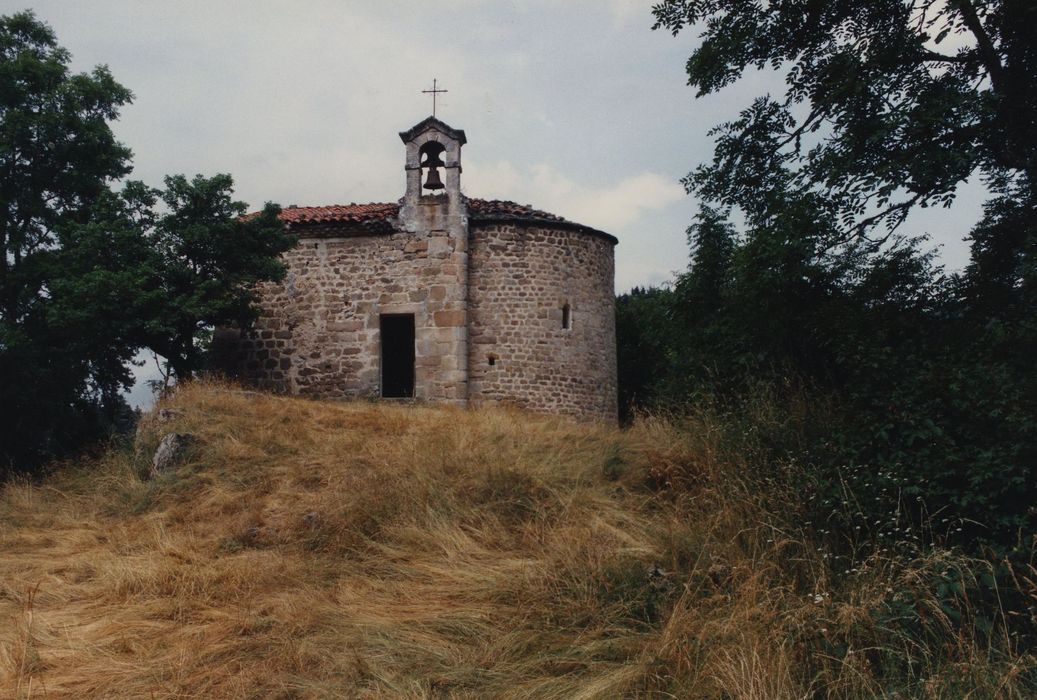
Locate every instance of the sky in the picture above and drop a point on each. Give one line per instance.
(574, 107)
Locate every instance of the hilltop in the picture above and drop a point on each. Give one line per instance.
(308, 549)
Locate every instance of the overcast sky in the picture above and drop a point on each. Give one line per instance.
(575, 107)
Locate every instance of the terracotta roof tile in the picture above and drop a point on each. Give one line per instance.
(504, 208)
(384, 213)
(360, 213)
(339, 213)
(499, 209)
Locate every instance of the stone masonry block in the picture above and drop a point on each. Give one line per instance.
(450, 318)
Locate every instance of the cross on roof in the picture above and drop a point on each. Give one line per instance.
(433, 92)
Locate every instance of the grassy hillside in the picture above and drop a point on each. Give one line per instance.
(311, 550)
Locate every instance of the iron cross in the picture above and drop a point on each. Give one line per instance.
(433, 92)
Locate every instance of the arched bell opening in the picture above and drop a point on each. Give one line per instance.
(430, 158)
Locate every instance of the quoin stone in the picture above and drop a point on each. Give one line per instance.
(438, 297)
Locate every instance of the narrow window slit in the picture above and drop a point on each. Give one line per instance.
(567, 317)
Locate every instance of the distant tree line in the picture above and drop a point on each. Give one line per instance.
(912, 393)
(91, 273)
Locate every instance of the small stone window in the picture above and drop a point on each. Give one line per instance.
(491, 359)
(567, 317)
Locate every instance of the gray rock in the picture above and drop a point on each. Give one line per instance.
(170, 452)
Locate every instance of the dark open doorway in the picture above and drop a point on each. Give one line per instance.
(397, 332)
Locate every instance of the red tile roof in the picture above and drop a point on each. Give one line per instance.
(503, 210)
(384, 213)
(339, 213)
(485, 208)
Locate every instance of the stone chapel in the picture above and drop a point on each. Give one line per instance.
(439, 297)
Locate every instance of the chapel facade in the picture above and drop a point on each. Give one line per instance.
(439, 297)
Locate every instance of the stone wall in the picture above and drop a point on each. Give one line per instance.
(496, 292)
(521, 276)
(319, 331)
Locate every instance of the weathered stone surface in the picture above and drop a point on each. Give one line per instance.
(170, 452)
(449, 318)
(520, 278)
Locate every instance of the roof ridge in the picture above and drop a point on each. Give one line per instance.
(507, 204)
(381, 214)
(342, 206)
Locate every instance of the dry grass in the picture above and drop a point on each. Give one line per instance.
(347, 550)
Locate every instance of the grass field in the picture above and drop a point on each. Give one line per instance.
(310, 550)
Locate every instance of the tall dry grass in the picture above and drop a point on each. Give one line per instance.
(310, 550)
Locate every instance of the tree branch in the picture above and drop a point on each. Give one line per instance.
(987, 52)
(930, 55)
(791, 136)
(858, 231)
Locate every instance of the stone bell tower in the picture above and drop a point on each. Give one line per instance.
(439, 297)
(434, 216)
(433, 169)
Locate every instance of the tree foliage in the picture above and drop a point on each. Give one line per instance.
(923, 403)
(644, 342)
(89, 276)
(888, 105)
(161, 268)
(57, 156)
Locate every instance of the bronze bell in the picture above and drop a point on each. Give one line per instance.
(433, 182)
(431, 159)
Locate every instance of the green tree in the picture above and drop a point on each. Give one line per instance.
(644, 342)
(206, 256)
(888, 105)
(57, 156)
(926, 380)
(90, 276)
(162, 268)
(701, 291)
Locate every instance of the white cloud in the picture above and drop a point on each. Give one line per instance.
(625, 10)
(646, 211)
(611, 208)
